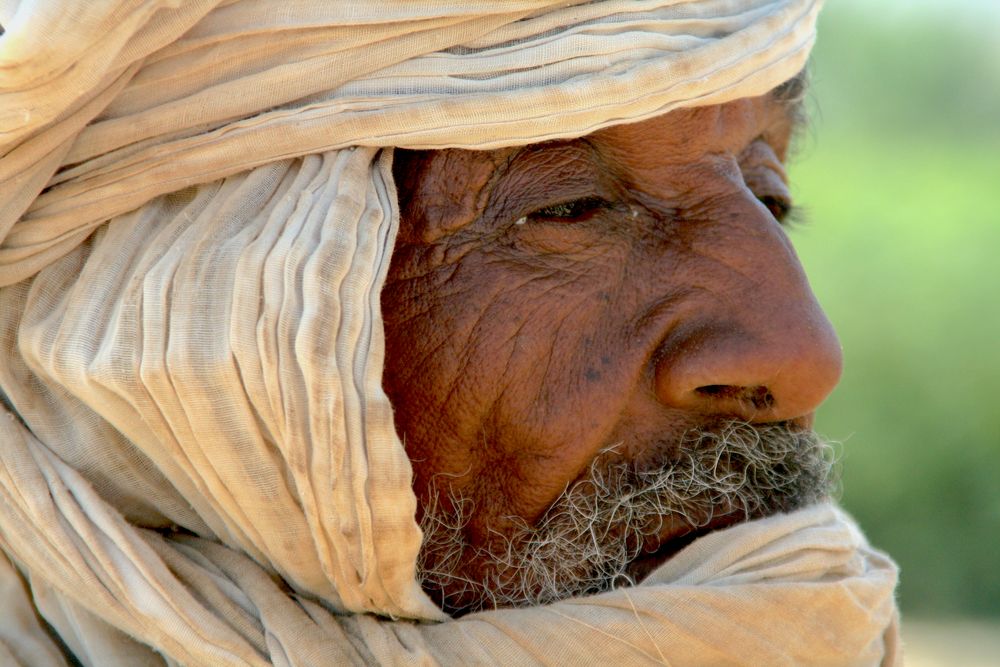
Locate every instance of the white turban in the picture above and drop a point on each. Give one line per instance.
(199, 464)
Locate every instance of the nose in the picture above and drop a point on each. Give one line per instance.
(760, 350)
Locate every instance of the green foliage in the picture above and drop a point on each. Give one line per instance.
(900, 177)
(901, 71)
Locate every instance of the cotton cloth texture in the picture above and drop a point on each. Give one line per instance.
(199, 465)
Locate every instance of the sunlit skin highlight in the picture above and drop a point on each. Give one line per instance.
(547, 302)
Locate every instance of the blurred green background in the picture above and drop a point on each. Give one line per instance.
(899, 176)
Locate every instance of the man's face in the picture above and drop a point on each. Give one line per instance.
(561, 310)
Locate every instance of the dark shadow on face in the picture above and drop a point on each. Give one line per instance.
(548, 302)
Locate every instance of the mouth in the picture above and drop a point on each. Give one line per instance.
(619, 523)
(662, 548)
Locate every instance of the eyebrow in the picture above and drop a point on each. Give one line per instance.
(792, 95)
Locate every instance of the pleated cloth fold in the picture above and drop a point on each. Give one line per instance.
(196, 216)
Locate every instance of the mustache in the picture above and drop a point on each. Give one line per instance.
(588, 538)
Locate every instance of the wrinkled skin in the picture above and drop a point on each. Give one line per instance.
(524, 337)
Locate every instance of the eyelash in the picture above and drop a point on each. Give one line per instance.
(784, 211)
(574, 210)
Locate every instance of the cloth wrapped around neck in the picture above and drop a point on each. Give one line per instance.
(196, 217)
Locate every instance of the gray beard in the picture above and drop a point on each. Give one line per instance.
(590, 538)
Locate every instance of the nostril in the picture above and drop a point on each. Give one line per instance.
(760, 397)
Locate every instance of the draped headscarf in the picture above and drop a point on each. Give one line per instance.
(197, 211)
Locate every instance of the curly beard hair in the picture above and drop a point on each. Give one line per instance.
(592, 536)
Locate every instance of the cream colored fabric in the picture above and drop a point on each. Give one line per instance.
(797, 589)
(196, 215)
(130, 99)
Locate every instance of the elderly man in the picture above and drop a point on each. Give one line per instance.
(278, 283)
(624, 302)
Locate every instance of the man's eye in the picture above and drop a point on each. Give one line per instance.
(780, 207)
(571, 211)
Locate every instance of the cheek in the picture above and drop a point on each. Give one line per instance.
(444, 348)
(501, 363)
